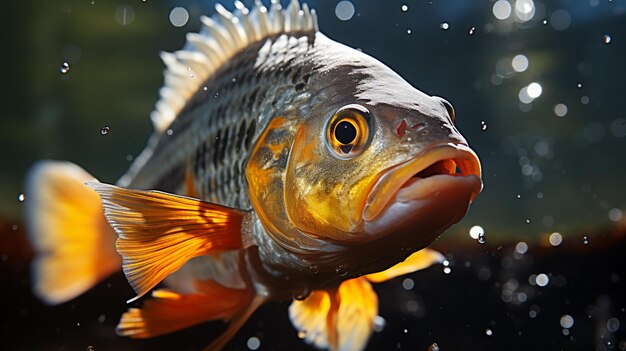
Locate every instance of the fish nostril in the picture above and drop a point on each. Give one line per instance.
(401, 128)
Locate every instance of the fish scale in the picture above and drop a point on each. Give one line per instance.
(214, 131)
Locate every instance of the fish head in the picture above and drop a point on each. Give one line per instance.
(374, 156)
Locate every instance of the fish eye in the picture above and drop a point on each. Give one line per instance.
(348, 131)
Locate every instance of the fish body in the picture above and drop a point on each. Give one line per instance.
(283, 165)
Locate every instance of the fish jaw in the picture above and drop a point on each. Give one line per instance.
(425, 192)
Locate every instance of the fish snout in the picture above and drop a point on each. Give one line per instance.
(417, 130)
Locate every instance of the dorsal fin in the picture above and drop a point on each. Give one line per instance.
(221, 37)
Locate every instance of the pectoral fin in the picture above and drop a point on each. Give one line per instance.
(159, 232)
(339, 320)
(418, 260)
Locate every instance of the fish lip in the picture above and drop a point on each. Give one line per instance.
(399, 177)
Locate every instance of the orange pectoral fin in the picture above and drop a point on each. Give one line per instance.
(159, 232)
(170, 311)
(341, 321)
(418, 260)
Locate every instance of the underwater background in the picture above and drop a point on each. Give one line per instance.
(539, 89)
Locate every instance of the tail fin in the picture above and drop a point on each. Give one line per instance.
(74, 244)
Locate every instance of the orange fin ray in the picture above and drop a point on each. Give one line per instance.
(74, 244)
(419, 260)
(171, 311)
(159, 232)
(341, 321)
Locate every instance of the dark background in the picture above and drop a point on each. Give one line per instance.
(542, 173)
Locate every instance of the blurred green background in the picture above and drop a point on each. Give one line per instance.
(542, 172)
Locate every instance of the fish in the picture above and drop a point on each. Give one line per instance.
(283, 166)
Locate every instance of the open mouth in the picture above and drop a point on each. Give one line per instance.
(440, 167)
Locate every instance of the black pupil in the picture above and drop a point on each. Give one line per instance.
(345, 132)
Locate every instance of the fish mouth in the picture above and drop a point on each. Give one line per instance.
(445, 166)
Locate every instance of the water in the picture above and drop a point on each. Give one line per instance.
(538, 93)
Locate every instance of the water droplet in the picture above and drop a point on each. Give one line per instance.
(472, 30)
(408, 283)
(447, 270)
(489, 332)
(104, 130)
(205, 88)
(433, 347)
(408, 31)
(585, 240)
(445, 263)
(444, 26)
(302, 334)
(481, 238)
(21, 197)
(253, 343)
(314, 269)
(169, 132)
(65, 67)
(579, 85)
(341, 270)
(483, 125)
(545, 22)
(405, 331)
(607, 38)
(527, 220)
(404, 8)
(519, 196)
(93, 2)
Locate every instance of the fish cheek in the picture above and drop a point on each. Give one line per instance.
(324, 195)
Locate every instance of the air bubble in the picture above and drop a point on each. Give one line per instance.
(344, 10)
(555, 239)
(302, 334)
(489, 332)
(379, 323)
(408, 284)
(481, 238)
(585, 240)
(542, 279)
(104, 130)
(65, 67)
(566, 321)
(408, 31)
(404, 8)
(301, 295)
(341, 270)
(21, 198)
(314, 269)
(521, 247)
(483, 126)
(444, 26)
(472, 30)
(607, 38)
(447, 270)
(253, 343)
(433, 347)
(612, 325)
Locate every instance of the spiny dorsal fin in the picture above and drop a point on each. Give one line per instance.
(221, 37)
